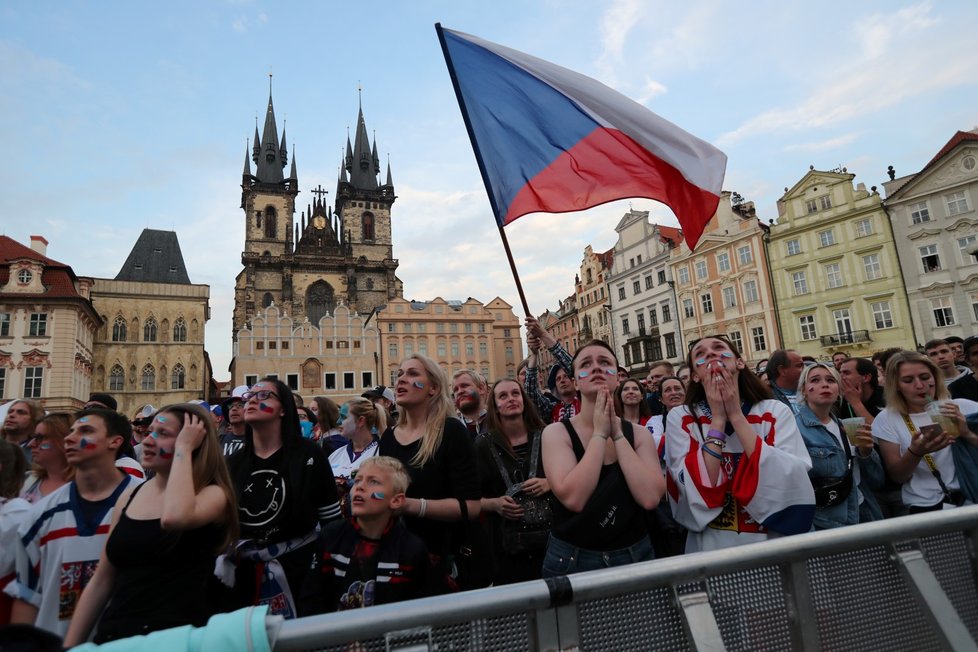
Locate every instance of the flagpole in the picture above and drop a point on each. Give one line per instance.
(482, 167)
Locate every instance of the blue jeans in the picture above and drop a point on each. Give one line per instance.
(563, 558)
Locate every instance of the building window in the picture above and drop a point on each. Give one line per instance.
(455, 350)
(750, 292)
(807, 324)
(423, 346)
(683, 275)
(366, 379)
(270, 222)
(506, 332)
(825, 202)
(967, 245)
(648, 282)
(625, 329)
(469, 350)
(661, 276)
(149, 378)
(729, 298)
(621, 292)
(723, 262)
(509, 353)
(119, 329)
(666, 313)
(745, 255)
(267, 300)
(757, 335)
(882, 315)
(251, 380)
(793, 247)
(919, 213)
(871, 265)
(468, 328)
(737, 340)
(930, 259)
(3, 381)
(811, 206)
(4, 324)
(974, 309)
(826, 238)
(329, 380)
(483, 349)
(706, 302)
(688, 311)
(391, 327)
(180, 330)
(636, 287)
(700, 269)
(33, 379)
(149, 330)
(833, 274)
(349, 380)
(863, 227)
(38, 325)
(442, 350)
(117, 379)
(653, 317)
(178, 377)
(292, 380)
(800, 282)
(640, 322)
(956, 203)
(943, 312)
(408, 349)
(273, 344)
(843, 321)
(368, 226)
(392, 351)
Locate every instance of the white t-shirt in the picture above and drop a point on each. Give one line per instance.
(922, 489)
(344, 462)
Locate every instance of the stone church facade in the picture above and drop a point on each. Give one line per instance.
(338, 255)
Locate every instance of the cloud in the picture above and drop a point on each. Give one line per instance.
(880, 76)
(652, 89)
(821, 146)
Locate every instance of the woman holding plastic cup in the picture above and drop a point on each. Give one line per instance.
(915, 449)
(845, 467)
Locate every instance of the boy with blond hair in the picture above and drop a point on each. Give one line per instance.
(372, 558)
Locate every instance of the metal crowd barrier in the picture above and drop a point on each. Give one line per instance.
(908, 583)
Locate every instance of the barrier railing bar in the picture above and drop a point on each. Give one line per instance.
(933, 601)
(568, 631)
(699, 623)
(542, 627)
(330, 629)
(801, 609)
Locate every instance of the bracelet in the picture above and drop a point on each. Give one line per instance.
(602, 436)
(714, 440)
(913, 452)
(618, 438)
(712, 453)
(423, 508)
(717, 434)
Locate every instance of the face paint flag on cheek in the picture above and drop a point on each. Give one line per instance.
(419, 384)
(46, 446)
(165, 454)
(266, 408)
(611, 371)
(85, 444)
(583, 374)
(377, 495)
(700, 362)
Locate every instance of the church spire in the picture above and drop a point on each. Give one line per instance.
(390, 181)
(247, 164)
(271, 157)
(363, 169)
(293, 175)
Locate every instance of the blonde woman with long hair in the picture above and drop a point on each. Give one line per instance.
(165, 535)
(438, 452)
(915, 451)
(49, 466)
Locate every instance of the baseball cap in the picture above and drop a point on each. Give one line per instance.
(380, 391)
(236, 395)
(103, 400)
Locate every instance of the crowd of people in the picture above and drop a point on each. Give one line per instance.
(112, 527)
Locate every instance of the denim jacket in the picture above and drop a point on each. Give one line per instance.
(829, 461)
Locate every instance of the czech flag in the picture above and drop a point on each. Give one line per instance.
(551, 140)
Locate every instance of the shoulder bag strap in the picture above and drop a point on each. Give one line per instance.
(927, 457)
(502, 467)
(534, 454)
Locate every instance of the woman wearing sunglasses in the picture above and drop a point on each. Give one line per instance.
(844, 472)
(284, 487)
(49, 466)
(738, 468)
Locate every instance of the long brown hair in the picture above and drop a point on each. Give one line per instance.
(644, 411)
(531, 419)
(752, 390)
(209, 466)
(59, 425)
(891, 385)
(329, 413)
(13, 463)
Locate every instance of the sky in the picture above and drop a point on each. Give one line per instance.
(118, 116)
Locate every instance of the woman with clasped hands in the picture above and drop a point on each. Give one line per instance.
(603, 476)
(738, 468)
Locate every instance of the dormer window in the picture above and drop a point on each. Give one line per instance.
(24, 276)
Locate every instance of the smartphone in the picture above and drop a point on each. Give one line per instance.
(930, 430)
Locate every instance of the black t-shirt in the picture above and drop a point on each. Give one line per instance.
(452, 472)
(285, 494)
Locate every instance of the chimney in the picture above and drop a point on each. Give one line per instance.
(39, 244)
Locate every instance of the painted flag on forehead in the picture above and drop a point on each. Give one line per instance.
(548, 139)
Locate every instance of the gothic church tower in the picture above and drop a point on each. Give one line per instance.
(326, 259)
